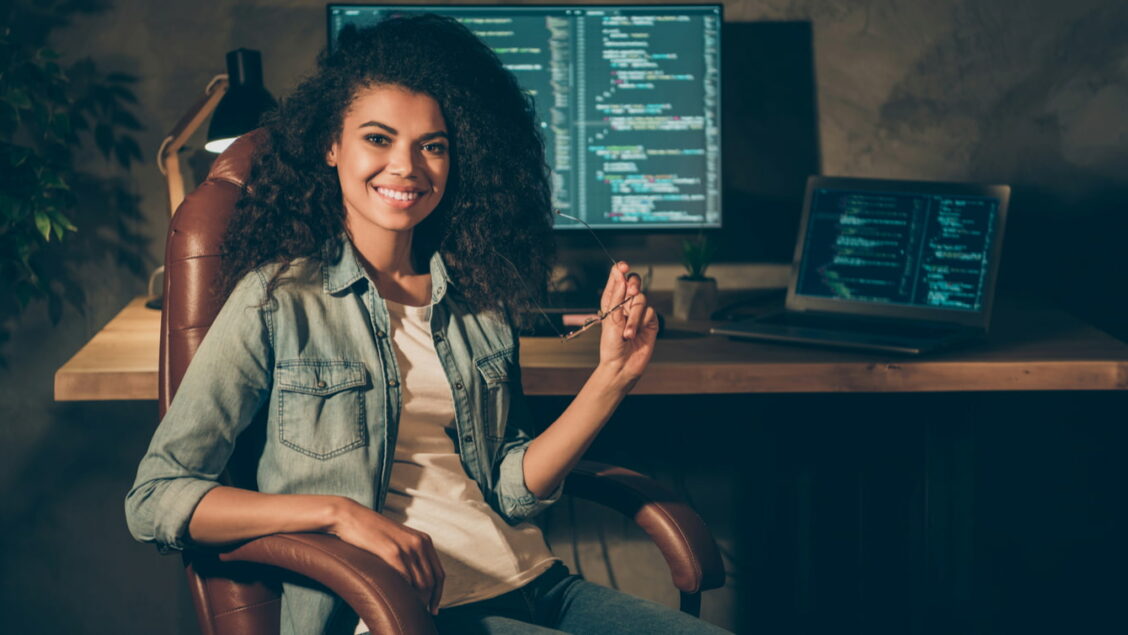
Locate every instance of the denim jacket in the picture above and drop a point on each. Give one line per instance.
(318, 356)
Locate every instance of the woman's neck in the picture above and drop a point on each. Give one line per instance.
(387, 259)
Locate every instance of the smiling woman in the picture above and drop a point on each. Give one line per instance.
(495, 201)
(392, 153)
(392, 161)
(368, 319)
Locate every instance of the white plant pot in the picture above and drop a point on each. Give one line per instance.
(694, 299)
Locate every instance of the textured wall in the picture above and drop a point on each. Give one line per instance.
(1027, 93)
(1031, 93)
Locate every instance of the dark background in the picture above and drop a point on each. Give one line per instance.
(941, 513)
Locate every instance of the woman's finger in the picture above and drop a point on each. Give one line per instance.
(634, 284)
(650, 320)
(398, 559)
(404, 562)
(637, 312)
(438, 577)
(420, 578)
(614, 291)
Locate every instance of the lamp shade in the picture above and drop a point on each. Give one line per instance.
(244, 104)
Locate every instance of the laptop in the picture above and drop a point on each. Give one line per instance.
(896, 266)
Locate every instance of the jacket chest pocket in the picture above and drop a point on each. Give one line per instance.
(321, 406)
(498, 371)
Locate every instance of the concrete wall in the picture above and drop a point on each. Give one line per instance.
(1031, 93)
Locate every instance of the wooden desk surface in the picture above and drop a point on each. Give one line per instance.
(1030, 349)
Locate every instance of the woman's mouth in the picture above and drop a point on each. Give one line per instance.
(399, 195)
(398, 198)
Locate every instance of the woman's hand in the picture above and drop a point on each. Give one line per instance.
(627, 341)
(408, 551)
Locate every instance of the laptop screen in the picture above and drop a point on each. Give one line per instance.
(924, 246)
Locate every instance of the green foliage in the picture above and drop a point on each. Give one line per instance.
(47, 113)
(697, 255)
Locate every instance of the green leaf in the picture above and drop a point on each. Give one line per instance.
(52, 180)
(18, 98)
(25, 293)
(62, 222)
(19, 155)
(43, 224)
(56, 72)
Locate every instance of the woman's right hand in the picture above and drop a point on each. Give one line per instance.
(408, 551)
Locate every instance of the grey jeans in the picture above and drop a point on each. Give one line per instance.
(559, 602)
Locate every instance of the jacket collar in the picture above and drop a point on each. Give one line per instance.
(340, 271)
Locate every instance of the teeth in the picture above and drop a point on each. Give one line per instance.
(398, 195)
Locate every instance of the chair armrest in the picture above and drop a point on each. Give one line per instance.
(682, 537)
(378, 594)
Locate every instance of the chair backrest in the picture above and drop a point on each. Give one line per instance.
(229, 597)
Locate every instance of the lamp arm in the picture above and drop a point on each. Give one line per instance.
(168, 160)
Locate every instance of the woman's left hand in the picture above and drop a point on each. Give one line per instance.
(628, 333)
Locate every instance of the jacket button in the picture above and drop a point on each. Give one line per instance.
(393, 383)
(458, 385)
(438, 337)
(380, 334)
(321, 384)
(468, 439)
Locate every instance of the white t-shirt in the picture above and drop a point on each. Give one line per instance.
(482, 555)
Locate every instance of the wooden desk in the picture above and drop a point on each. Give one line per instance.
(118, 363)
(1030, 349)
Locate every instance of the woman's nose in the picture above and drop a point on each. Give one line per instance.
(401, 161)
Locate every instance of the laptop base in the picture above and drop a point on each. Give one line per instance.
(869, 335)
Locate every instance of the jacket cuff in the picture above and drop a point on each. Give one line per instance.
(517, 502)
(177, 505)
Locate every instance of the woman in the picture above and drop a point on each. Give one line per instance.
(397, 217)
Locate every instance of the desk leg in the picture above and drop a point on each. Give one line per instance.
(948, 517)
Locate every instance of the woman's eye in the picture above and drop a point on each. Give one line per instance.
(377, 139)
(435, 148)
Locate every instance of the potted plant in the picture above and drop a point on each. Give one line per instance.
(695, 294)
(47, 193)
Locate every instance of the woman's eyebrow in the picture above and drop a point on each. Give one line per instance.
(426, 137)
(377, 124)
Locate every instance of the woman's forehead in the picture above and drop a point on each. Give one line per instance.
(397, 102)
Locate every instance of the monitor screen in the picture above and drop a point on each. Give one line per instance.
(627, 98)
(916, 249)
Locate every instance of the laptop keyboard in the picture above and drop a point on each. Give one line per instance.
(857, 325)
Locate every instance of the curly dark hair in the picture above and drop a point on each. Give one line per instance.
(493, 225)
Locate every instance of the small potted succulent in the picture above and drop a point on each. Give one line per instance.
(695, 294)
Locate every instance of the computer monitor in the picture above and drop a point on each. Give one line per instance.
(628, 99)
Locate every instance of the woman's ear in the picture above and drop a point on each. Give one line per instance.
(331, 156)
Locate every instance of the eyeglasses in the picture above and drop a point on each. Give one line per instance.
(592, 321)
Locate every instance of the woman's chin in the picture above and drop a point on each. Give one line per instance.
(396, 221)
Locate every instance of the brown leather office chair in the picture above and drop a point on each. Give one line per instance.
(237, 590)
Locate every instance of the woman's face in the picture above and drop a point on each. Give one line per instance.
(393, 158)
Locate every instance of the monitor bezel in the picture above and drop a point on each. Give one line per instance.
(977, 319)
(625, 229)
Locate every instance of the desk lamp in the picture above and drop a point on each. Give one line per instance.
(238, 100)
